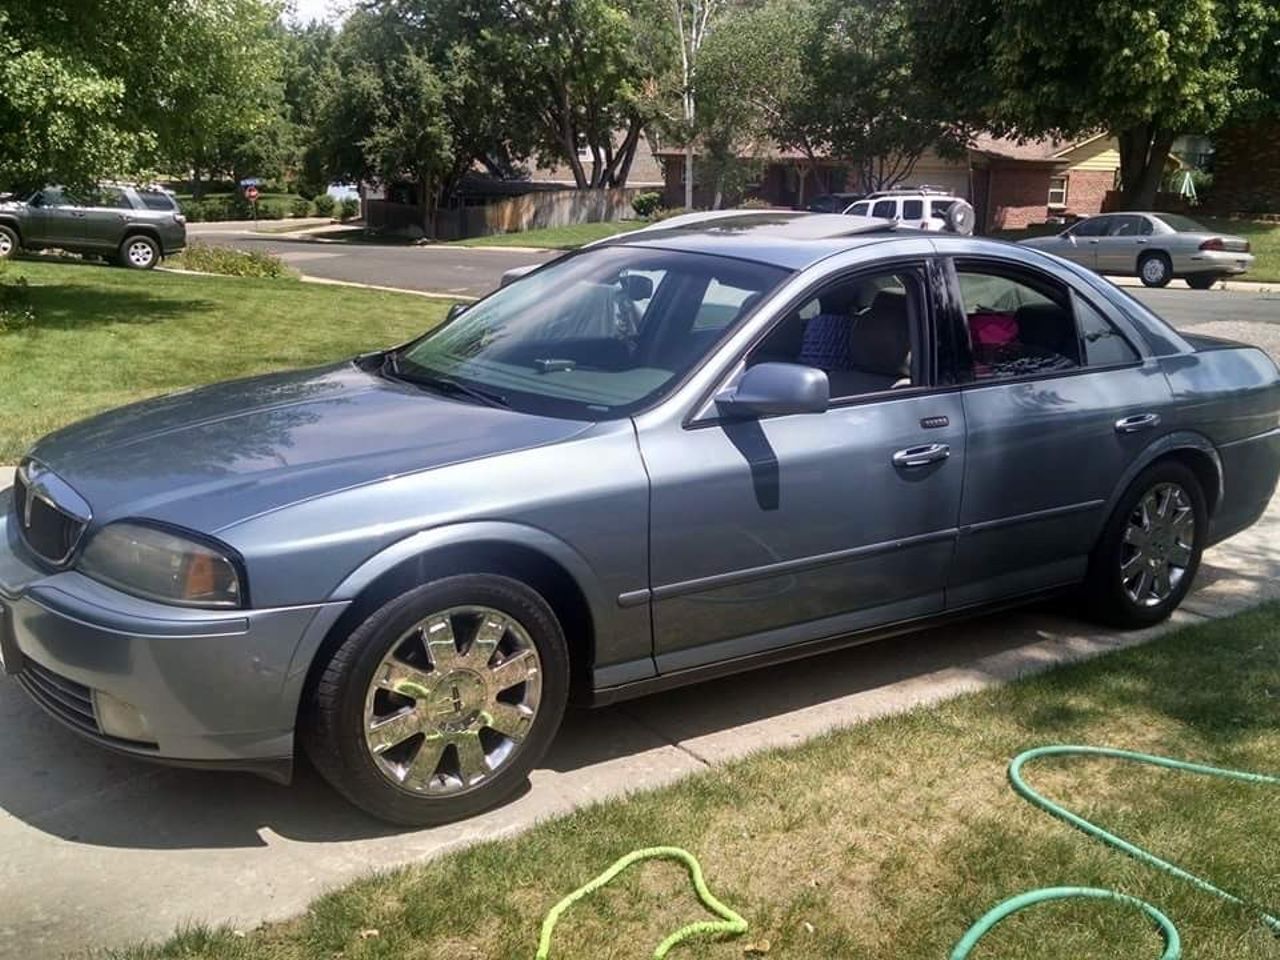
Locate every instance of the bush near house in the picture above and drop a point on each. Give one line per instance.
(646, 204)
(349, 208)
(233, 206)
(324, 205)
(230, 262)
(300, 207)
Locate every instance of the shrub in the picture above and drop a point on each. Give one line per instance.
(663, 213)
(230, 262)
(646, 204)
(349, 209)
(324, 205)
(15, 304)
(754, 203)
(299, 207)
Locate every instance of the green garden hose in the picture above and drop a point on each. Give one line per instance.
(732, 923)
(1173, 948)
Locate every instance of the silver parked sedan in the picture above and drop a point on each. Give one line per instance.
(1155, 247)
(709, 445)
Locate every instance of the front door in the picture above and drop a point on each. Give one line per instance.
(1081, 241)
(776, 531)
(1060, 405)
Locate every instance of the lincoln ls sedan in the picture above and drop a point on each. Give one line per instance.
(712, 444)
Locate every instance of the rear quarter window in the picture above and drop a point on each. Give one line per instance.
(912, 209)
(153, 200)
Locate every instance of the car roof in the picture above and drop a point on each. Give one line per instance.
(785, 238)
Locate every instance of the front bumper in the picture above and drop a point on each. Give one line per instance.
(215, 688)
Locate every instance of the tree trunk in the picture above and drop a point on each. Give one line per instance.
(426, 200)
(1144, 148)
(719, 195)
(197, 184)
(688, 176)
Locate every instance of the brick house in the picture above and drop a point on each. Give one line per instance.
(1010, 184)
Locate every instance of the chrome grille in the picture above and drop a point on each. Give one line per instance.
(69, 701)
(50, 532)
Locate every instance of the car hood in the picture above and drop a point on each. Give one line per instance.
(214, 456)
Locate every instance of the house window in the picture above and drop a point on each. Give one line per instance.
(1057, 191)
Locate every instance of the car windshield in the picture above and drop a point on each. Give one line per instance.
(1181, 224)
(595, 336)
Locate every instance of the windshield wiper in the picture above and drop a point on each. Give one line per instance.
(441, 384)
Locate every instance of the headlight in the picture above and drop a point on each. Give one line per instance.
(160, 565)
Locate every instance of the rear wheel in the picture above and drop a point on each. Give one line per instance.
(9, 244)
(1202, 281)
(1149, 552)
(139, 252)
(439, 705)
(1155, 270)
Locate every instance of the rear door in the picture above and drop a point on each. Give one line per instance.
(105, 215)
(1117, 251)
(1058, 404)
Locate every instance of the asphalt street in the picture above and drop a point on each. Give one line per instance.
(474, 271)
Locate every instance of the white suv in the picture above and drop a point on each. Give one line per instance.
(923, 207)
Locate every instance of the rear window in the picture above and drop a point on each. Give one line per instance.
(154, 200)
(1181, 224)
(939, 208)
(912, 209)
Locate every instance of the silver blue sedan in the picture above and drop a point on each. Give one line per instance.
(710, 445)
(1155, 247)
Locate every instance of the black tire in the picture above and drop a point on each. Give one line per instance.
(138, 252)
(9, 242)
(332, 730)
(1155, 269)
(1202, 281)
(1105, 589)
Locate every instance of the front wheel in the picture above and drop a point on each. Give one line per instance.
(440, 704)
(139, 252)
(1149, 552)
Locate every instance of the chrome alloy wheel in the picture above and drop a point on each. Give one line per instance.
(6, 246)
(141, 253)
(453, 700)
(1153, 269)
(1159, 541)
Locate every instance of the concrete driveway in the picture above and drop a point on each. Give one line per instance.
(97, 850)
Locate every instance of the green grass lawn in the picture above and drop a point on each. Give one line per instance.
(884, 840)
(104, 336)
(1264, 240)
(555, 238)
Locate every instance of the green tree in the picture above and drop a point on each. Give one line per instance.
(1142, 71)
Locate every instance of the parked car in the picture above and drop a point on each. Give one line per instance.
(132, 226)
(1156, 247)
(924, 208)
(833, 202)
(716, 443)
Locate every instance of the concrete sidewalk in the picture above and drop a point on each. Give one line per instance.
(97, 850)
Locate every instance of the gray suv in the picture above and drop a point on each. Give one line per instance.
(132, 226)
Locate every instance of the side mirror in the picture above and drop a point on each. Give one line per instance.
(456, 310)
(515, 273)
(637, 287)
(37, 200)
(776, 389)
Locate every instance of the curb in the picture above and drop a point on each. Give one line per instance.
(1228, 286)
(429, 294)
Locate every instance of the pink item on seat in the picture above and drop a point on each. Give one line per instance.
(991, 329)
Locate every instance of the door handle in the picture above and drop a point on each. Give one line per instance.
(1140, 421)
(922, 455)
(1141, 241)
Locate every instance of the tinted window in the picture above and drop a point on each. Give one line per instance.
(153, 200)
(56, 197)
(860, 209)
(939, 208)
(885, 208)
(1019, 324)
(912, 209)
(1181, 224)
(1104, 345)
(860, 331)
(112, 197)
(1093, 227)
(586, 337)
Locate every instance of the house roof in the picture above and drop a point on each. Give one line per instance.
(1044, 150)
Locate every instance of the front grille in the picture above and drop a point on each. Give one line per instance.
(65, 699)
(48, 531)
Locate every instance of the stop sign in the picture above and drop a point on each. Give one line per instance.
(251, 194)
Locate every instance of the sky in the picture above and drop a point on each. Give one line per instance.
(307, 10)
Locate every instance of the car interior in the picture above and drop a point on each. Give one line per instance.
(1017, 327)
(860, 332)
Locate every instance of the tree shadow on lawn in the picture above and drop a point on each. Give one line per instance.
(75, 307)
